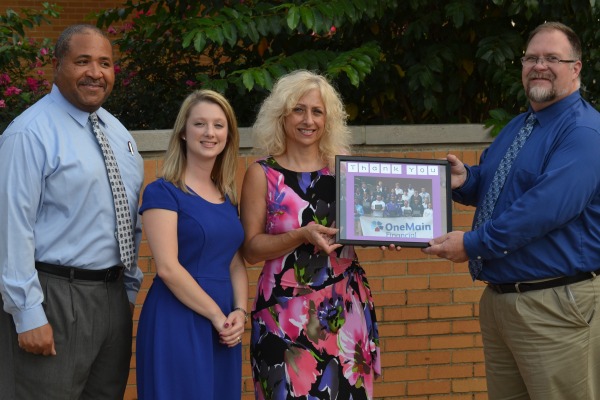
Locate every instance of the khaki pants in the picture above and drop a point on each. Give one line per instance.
(92, 327)
(543, 344)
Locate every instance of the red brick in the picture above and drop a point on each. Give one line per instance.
(467, 356)
(469, 385)
(428, 297)
(406, 344)
(452, 342)
(429, 358)
(450, 371)
(405, 313)
(387, 390)
(406, 283)
(405, 374)
(428, 387)
(429, 328)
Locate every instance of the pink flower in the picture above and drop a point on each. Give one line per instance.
(44, 51)
(301, 368)
(357, 349)
(127, 26)
(284, 213)
(40, 72)
(4, 79)
(117, 68)
(126, 82)
(190, 83)
(2, 104)
(111, 30)
(284, 205)
(293, 317)
(333, 29)
(32, 84)
(12, 91)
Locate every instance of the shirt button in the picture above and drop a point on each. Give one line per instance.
(479, 257)
(505, 252)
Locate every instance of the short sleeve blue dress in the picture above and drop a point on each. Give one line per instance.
(177, 350)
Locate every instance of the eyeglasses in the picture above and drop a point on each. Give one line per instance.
(530, 61)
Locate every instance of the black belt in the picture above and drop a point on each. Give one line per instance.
(521, 287)
(105, 275)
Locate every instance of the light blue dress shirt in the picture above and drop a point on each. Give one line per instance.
(56, 203)
(546, 223)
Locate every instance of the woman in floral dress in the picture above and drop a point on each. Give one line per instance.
(314, 333)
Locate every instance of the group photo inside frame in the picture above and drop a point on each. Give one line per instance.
(400, 201)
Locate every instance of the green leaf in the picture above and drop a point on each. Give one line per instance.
(199, 42)
(252, 32)
(352, 75)
(230, 33)
(293, 17)
(258, 77)
(262, 26)
(308, 18)
(319, 22)
(248, 80)
(267, 79)
(216, 35)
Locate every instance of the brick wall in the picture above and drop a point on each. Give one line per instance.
(73, 11)
(427, 310)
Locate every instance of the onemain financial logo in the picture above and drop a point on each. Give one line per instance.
(403, 230)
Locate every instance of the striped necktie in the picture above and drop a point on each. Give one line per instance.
(124, 224)
(484, 211)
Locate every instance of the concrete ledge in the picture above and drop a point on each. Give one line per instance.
(372, 135)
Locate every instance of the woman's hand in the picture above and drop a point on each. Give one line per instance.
(232, 329)
(321, 237)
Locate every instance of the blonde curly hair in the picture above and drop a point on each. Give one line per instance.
(268, 129)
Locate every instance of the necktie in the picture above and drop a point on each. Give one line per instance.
(484, 212)
(124, 224)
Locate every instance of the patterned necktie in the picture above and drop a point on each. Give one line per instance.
(484, 212)
(124, 224)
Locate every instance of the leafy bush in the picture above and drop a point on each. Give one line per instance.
(169, 48)
(22, 61)
(395, 62)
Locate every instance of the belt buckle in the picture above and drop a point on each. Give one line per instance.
(517, 287)
(112, 274)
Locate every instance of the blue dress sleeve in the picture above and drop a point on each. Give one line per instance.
(160, 194)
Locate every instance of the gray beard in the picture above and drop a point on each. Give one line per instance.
(537, 94)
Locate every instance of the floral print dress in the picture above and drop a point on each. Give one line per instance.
(314, 332)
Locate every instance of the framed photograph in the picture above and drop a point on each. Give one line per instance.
(400, 201)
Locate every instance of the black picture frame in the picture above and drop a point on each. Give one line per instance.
(360, 222)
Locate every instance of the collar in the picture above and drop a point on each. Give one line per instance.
(78, 115)
(548, 114)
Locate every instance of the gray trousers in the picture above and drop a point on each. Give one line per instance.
(543, 344)
(92, 329)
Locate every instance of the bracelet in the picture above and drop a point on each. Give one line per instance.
(243, 311)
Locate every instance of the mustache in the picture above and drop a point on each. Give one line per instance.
(539, 75)
(89, 81)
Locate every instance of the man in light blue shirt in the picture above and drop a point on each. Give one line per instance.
(67, 299)
(539, 251)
